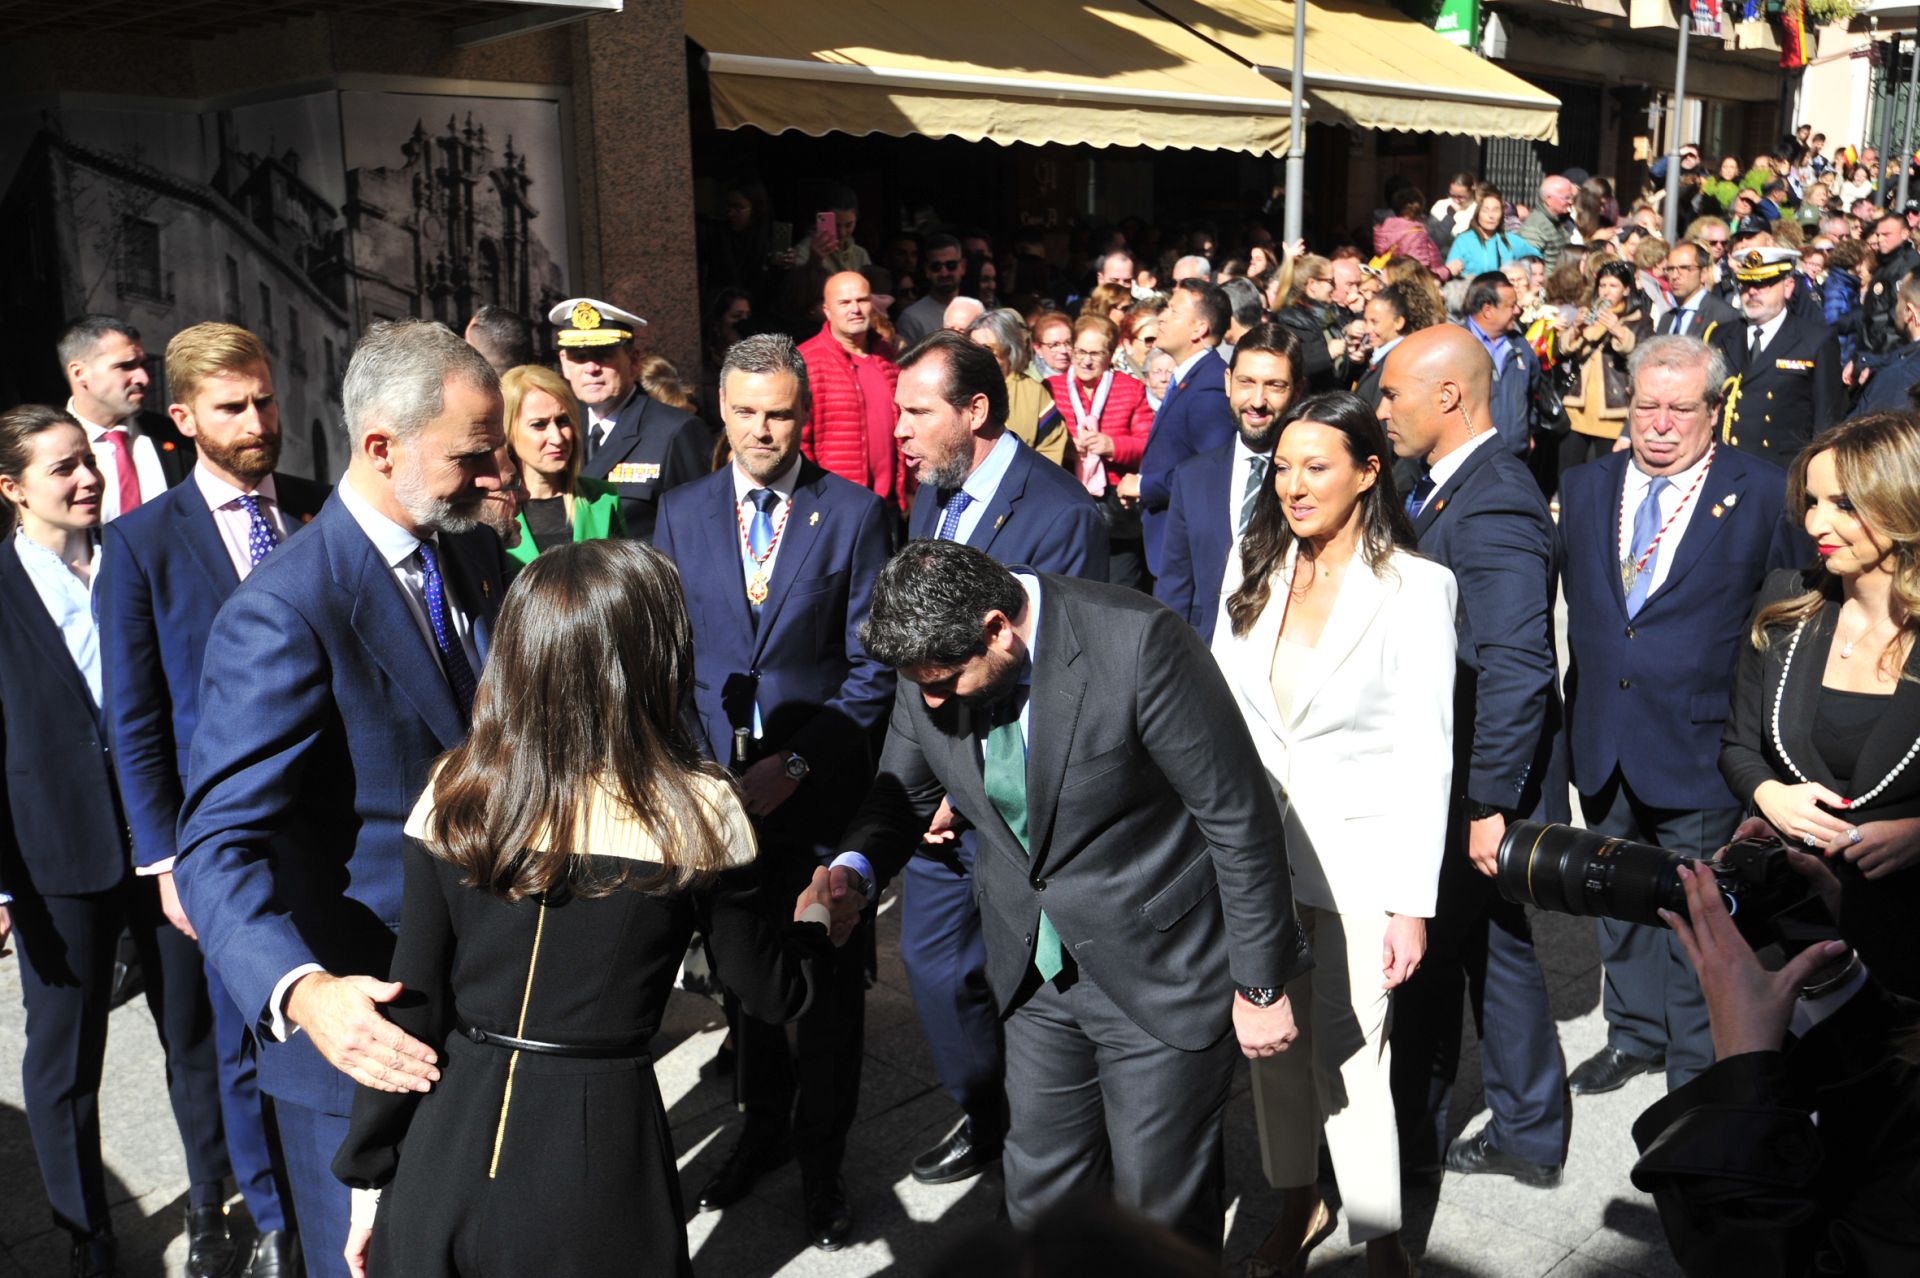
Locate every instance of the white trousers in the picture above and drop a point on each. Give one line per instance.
(1334, 1078)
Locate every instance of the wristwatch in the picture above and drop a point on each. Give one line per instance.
(1478, 811)
(1260, 995)
(796, 768)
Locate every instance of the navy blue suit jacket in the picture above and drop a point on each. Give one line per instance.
(61, 833)
(322, 707)
(1649, 695)
(164, 572)
(820, 695)
(1198, 538)
(1040, 516)
(1489, 524)
(1193, 418)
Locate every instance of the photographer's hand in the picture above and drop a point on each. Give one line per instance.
(1795, 811)
(1884, 846)
(1748, 1005)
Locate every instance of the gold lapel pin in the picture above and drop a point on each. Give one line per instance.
(813, 520)
(486, 588)
(1718, 510)
(1001, 520)
(1440, 505)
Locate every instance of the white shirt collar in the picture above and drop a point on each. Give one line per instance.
(1448, 466)
(985, 479)
(604, 414)
(394, 543)
(1638, 480)
(95, 430)
(1381, 352)
(1768, 330)
(1186, 366)
(218, 492)
(783, 484)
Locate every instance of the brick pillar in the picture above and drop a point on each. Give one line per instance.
(636, 173)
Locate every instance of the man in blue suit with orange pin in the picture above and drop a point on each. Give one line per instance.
(1194, 417)
(1662, 551)
(777, 558)
(165, 570)
(336, 673)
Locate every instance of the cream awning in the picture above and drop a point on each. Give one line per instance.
(1376, 68)
(1035, 71)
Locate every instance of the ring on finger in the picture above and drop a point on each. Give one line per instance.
(1853, 834)
(1811, 840)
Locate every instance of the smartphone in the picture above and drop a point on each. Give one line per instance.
(826, 227)
(782, 235)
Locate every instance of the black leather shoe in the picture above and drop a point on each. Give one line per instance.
(276, 1254)
(956, 1158)
(1475, 1156)
(96, 1257)
(829, 1218)
(757, 1154)
(1608, 1070)
(211, 1251)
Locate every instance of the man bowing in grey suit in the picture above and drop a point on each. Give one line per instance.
(1139, 922)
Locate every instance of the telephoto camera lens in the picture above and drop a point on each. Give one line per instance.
(1569, 871)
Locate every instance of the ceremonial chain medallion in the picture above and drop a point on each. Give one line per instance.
(1630, 569)
(757, 583)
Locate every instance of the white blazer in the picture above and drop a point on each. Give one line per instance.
(1363, 766)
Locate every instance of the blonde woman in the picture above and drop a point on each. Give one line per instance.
(1824, 729)
(543, 433)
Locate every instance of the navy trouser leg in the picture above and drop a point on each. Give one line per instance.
(943, 949)
(1521, 1067)
(321, 1204)
(251, 1146)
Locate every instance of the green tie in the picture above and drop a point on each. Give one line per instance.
(1005, 774)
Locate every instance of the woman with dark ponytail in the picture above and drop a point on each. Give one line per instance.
(1338, 643)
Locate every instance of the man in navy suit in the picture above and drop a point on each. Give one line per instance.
(1478, 511)
(777, 558)
(1663, 550)
(336, 673)
(644, 448)
(1213, 493)
(1194, 416)
(166, 568)
(981, 486)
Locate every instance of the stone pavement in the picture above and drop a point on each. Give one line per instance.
(1595, 1225)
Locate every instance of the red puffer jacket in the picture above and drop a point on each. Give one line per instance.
(853, 418)
(1126, 418)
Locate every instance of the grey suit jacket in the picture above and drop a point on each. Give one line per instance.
(1156, 841)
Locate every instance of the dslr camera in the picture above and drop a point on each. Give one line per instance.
(1569, 871)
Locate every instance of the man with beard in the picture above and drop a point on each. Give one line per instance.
(1213, 492)
(165, 570)
(778, 558)
(981, 486)
(140, 454)
(944, 265)
(334, 675)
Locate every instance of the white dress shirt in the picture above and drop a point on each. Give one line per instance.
(146, 464)
(1634, 491)
(1768, 330)
(601, 417)
(1444, 469)
(744, 509)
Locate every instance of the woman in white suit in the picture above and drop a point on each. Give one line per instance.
(1338, 642)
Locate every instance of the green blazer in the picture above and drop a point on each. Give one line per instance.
(596, 515)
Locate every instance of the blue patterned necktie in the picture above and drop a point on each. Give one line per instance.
(957, 503)
(1646, 526)
(1417, 499)
(261, 538)
(1004, 774)
(452, 654)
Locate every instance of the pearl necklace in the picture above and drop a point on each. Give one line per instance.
(1779, 695)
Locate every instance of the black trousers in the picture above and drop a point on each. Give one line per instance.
(807, 1074)
(1649, 993)
(67, 946)
(1478, 944)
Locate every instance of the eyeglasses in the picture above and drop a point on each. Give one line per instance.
(1062, 344)
(1089, 357)
(943, 266)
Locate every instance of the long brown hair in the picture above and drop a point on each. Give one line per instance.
(1877, 461)
(582, 695)
(1384, 526)
(19, 427)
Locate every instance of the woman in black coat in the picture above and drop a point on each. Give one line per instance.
(1823, 735)
(556, 867)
